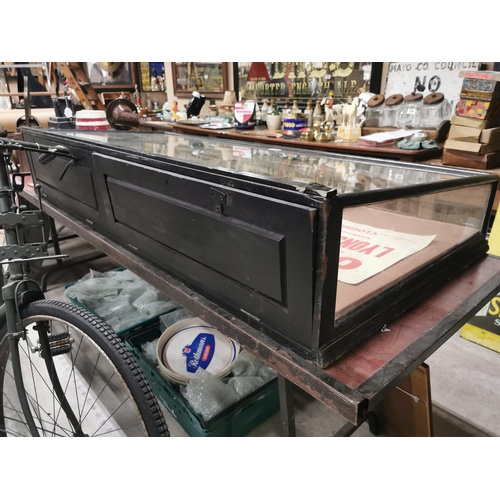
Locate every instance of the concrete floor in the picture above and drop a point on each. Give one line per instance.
(465, 379)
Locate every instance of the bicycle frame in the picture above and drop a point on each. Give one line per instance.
(17, 290)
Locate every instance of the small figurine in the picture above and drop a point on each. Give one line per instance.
(163, 88)
(328, 103)
(137, 98)
(350, 113)
(175, 111)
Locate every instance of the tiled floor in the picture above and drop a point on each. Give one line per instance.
(465, 380)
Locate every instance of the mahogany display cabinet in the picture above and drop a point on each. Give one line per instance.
(317, 250)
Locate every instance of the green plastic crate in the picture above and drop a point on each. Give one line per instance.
(124, 331)
(235, 421)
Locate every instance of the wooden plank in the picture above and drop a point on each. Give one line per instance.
(407, 410)
(74, 74)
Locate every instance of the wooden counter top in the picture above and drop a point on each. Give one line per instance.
(262, 134)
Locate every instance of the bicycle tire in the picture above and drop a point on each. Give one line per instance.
(102, 355)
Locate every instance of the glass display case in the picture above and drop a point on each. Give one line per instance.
(318, 250)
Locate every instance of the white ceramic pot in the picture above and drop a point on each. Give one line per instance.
(273, 122)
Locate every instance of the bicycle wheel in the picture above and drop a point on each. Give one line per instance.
(100, 379)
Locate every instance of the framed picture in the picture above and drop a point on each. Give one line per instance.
(116, 75)
(208, 78)
(152, 76)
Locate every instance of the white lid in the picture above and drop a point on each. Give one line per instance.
(191, 344)
(95, 114)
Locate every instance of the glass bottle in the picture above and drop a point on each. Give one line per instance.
(286, 111)
(258, 113)
(309, 113)
(317, 114)
(263, 109)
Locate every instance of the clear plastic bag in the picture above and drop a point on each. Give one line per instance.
(120, 298)
(246, 365)
(208, 396)
(149, 351)
(245, 385)
(174, 316)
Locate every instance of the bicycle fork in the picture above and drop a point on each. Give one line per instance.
(16, 332)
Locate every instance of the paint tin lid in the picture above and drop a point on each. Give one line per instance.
(190, 344)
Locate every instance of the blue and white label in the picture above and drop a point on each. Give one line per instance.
(200, 352)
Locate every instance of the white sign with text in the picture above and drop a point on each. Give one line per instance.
(366, 250)
(427, 77)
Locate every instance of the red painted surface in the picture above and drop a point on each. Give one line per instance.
(362, 362)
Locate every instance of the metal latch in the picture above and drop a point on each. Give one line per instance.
(220, 200)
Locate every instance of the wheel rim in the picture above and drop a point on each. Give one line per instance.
(97, 393)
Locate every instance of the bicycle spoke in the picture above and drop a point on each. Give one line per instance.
(117, 429)
(66, 431)
(32, 399)
(90, 383)
(14, 409)
(97, 398)
(12, 431)
(123, 402)
(28, 395)
(69, 377)
(73, 363)
(14, 420)
(34, 386)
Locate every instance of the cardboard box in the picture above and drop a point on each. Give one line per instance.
(490, 135)
(474, 108)
(471, 160)
(472, 147)
(481, 75)
(470, 134)
(479, 88)
(490, 121)
(462, 133)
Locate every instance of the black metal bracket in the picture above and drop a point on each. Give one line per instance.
(23, 251)
(31, 218)
(19, 186)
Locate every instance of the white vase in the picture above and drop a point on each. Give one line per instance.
(273, 122)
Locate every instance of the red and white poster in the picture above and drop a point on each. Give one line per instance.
(366, 250)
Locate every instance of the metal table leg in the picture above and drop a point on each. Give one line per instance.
(287, 411)
(349, 429)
